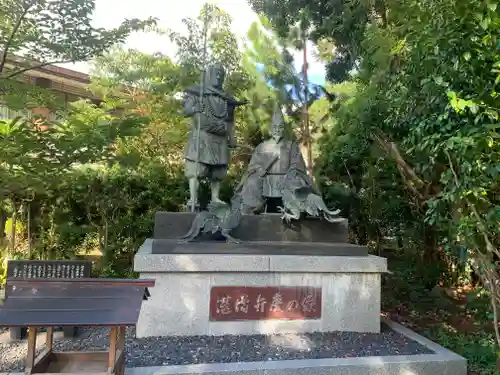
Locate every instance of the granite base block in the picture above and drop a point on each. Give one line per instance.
(179, 303)
(147, 261)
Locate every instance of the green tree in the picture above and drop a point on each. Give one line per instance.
(34, 159)
(222, 46)
(135, 82)
(270, 67)
(36, 33)
(54, 31)
(270, 57)
(150, 84)
(418, 141)
(341, 22)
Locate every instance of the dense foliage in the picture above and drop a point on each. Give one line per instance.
(69, 186)
(414, 152)
(412, 146)
(36, 154)
(405, 133)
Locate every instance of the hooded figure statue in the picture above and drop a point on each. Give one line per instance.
(274, 162)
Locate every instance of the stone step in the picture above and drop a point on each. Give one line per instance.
(264, 227)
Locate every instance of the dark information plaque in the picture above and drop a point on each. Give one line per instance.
(232, 303)
(49, 269)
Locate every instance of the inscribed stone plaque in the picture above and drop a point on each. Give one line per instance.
(230, 303)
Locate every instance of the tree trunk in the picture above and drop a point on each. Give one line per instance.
(105, 239)
(430, 251)
(100, 233)
(361, 234)
(3, 220)
(399, 239)
(432, 267)
(28, 208)
(13, 228)
(307, 132)
(378, 240)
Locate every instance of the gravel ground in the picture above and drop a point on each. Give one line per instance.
(161, 351)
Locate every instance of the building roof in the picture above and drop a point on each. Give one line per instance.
(53, 77)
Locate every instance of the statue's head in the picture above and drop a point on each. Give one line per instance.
(216, 75)
(277, 124)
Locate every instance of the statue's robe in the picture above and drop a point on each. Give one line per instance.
(273, 163)
(217, 126)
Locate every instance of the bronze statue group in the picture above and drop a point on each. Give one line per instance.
(276, 171)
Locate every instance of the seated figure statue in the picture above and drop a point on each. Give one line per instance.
(277, 171)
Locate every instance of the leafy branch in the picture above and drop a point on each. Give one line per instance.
(15, 28)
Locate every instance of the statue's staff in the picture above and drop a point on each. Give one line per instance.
(202, 91)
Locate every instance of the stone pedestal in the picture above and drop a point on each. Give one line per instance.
(266, 227)
(214, 288)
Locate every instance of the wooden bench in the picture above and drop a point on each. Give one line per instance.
(46, 269)
(36, 303)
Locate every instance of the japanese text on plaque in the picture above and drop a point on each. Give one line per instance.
(258, 303)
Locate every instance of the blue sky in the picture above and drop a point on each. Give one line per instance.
(110, 13)
(317, 78)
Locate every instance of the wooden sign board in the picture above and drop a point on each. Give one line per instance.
(73, 302)
(114, 303)
(236, 303)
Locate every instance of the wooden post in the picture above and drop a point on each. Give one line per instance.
(30, 357)
(49, 338)
(121, 348)
(113, 336)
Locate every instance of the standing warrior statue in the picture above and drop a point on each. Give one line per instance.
(211, 134)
